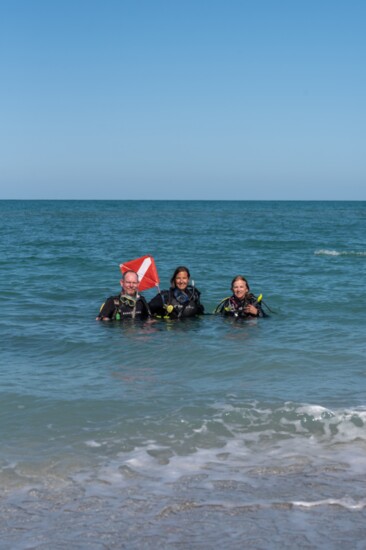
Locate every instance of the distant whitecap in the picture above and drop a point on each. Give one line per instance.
(326, 252)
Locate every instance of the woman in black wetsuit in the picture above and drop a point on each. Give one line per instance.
(182, 300)
(242, 303)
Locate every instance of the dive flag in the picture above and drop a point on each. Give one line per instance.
(146, 270)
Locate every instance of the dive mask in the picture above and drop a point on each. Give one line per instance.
(127, 300)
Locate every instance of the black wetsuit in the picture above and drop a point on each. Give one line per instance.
(234, 307)
(176, 304)
(124, 307)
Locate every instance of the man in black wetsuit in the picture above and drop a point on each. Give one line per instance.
(128, 304)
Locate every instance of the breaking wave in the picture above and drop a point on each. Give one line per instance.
(327, 252)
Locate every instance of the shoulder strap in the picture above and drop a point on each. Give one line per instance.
(220, 306)
(143, 300)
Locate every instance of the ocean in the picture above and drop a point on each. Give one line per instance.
(197, 434)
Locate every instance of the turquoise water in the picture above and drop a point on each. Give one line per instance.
(203, 433)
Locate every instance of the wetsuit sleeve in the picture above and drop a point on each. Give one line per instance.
(261, 313)
(107, 308)
(221, 306)
(200, 307)
(156, 305)
(145, 307)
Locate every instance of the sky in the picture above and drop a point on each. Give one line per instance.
(183, 99)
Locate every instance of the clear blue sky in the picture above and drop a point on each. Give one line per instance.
(183, 99)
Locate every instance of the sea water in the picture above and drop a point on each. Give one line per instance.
(204, 433)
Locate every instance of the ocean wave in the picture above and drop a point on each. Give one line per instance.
(349, 504)
(268, 462)
(328, 252)
(252, 443)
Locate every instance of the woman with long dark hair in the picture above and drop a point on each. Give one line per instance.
(182, 300)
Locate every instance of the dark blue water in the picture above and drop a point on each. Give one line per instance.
(204, 433)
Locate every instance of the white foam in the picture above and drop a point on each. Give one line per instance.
(350, 504)
(316, 411)
(93, 443)
(327, 252)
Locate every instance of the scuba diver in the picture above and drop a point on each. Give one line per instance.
(182, 300)
(242, 303)
(128, 304)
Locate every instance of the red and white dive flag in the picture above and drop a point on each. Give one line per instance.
(146, 270)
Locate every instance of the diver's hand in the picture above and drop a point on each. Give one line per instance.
(251, 310)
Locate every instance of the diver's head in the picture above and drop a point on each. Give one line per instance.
(130, 282)
(180, 278)
(240, 286)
